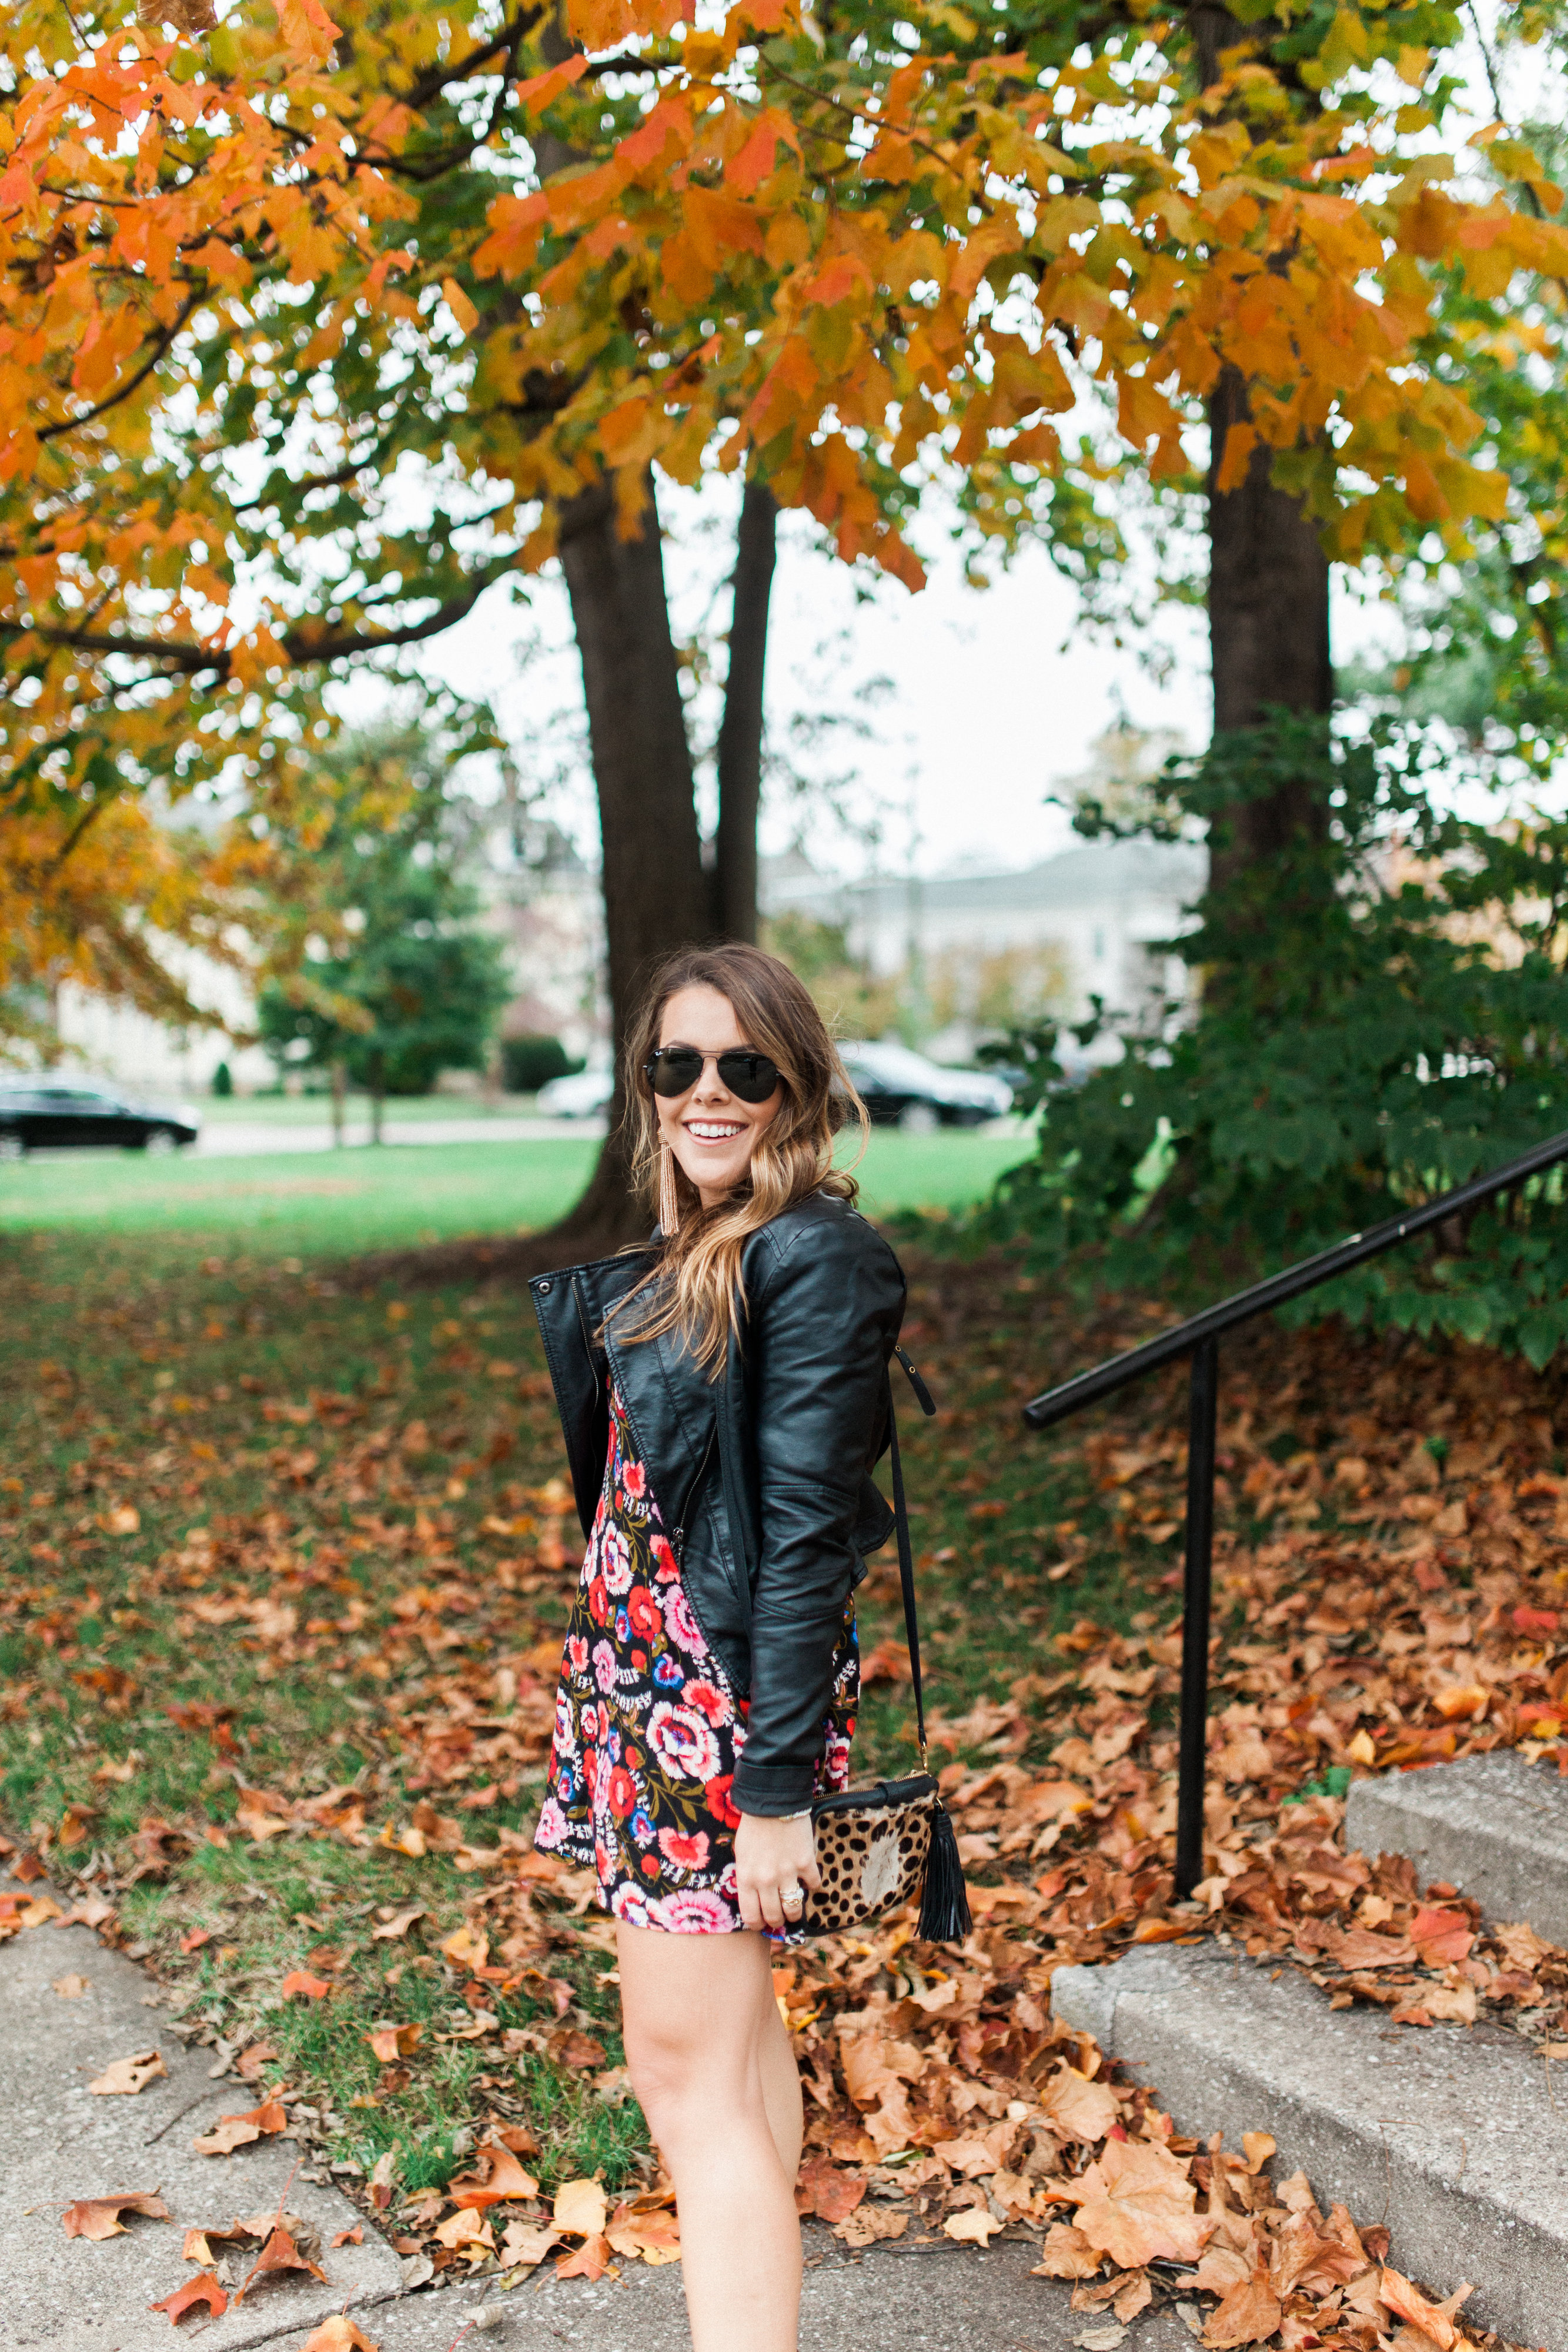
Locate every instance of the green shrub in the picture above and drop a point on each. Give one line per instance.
(223, 1082)
(530, 1062)
(1382, 1015)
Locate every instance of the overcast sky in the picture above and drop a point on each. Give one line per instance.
(997, 695)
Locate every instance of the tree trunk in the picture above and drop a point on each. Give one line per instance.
(340, 1087)
(378, 1094)
(655, 894)
(1268, 586)
(740, 733)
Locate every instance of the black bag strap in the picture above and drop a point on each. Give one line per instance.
(906, 1550)
(901, 1521)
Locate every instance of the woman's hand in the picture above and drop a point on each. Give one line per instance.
(771, 1856)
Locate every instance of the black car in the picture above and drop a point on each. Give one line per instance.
(43, 1115)
(902, 1089)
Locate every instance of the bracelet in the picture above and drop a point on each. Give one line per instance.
(804, 1815)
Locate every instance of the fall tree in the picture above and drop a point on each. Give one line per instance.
(354, 327)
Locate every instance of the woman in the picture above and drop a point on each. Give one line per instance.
(723, 1395)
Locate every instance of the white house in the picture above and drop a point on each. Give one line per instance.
(982, 949)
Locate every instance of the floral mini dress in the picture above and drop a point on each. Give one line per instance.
(648, 1731)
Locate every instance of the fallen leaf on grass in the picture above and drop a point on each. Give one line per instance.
(300, 1984)
(1135, 2202)
(590, 2261)
(203, 2289)
(126, 2076)
(505, 2178)
(98, 2217)
(237, 2131)
(393, 2041)
(581, 2210)
(249, 2062)
(339, 2334)
(397, 1926)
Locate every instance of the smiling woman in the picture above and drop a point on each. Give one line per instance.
(723, 1396)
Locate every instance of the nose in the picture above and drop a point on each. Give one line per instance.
(710, 1087)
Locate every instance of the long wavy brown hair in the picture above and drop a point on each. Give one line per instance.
(696, 1288)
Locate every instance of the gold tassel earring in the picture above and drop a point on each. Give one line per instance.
(669, 1206)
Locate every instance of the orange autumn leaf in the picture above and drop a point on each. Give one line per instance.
(1440, 1937)
(504, 2177)
(393, 2041)
(279, 2253)
(204, 2289)
(98, 2217)
(127, 2076)
(339, 2334)
(1398, 2294)
(301, 1985)
(1250, 2314)
(590, 2261)
(237, 2131)
(1136, 2203)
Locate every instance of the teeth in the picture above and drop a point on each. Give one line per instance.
(711, 1134)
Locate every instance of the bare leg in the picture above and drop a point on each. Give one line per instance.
(707, 2051)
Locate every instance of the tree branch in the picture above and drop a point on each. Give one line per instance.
(302, 649)
(124, 391)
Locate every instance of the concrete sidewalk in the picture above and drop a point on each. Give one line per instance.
(59, 2142)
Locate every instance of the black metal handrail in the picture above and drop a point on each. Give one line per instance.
(1198, 1337)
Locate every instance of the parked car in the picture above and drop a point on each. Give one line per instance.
(902, 1089)
(40, 1114)
(583, 1095)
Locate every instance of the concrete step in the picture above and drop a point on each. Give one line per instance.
(1451, 2136)
(1493, 1826)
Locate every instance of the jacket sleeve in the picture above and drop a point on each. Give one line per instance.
(822, 1327)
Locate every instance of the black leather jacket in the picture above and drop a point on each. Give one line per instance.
(777, 1452)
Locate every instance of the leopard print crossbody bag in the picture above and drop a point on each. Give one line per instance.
(878, 1847)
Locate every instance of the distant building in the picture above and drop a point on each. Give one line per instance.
(978, 951)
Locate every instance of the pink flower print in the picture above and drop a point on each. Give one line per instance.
(835, 1763)
(604, 1667)
(682, 1742)
(708, 1700)
(727, 1882)
(552, 1827)
(634, 1478)
(615, 1562)
(576, 1655)
(681, 1626)
(685, 1853)
(691, 1911)
(630, 1902)
(666, 1568)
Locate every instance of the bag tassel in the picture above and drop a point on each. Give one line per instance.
(943, 1904)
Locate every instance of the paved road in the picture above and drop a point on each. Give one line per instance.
(245, 1138)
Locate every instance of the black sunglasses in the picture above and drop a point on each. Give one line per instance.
(673, 1069)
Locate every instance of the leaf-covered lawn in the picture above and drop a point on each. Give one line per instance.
(286, 1569)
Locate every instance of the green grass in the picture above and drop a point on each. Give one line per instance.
(324, 1203)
